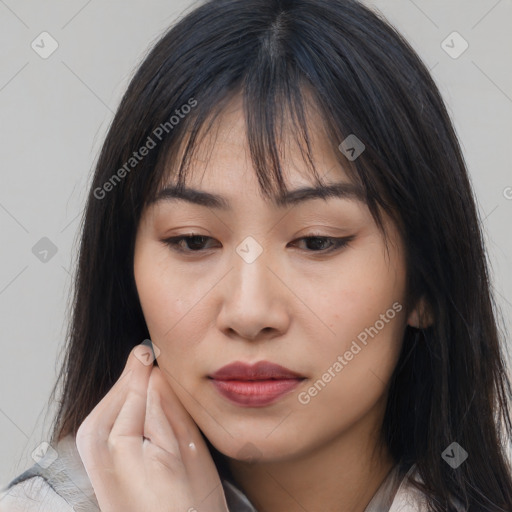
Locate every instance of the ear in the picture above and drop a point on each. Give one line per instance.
(421, 316)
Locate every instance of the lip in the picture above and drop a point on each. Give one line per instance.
(262, 370)
(254, 385)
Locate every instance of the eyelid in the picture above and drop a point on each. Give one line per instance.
(338, 243)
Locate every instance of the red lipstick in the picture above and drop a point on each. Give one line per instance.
(255, 385)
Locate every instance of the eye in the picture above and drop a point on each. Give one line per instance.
(191, 239)
(192, 243)
(318, 242)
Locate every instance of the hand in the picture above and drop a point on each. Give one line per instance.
(135, 448)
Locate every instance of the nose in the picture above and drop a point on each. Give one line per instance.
(255, 300)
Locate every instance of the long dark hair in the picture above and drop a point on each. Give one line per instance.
(364, 79)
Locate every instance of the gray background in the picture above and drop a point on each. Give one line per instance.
(55, 113)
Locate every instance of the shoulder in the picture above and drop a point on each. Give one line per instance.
(408, 498)
(57, 482)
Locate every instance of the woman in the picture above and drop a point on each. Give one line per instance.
(282, 207)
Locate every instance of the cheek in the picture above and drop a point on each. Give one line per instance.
(353, 366)
(353, 293)
(362, 306)
(170, 304)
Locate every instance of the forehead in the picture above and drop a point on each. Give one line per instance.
(228, 137)
(221, 167)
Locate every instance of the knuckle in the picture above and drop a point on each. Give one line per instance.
(119, 444)
(84, 431)
(114, 443)
(90, 434)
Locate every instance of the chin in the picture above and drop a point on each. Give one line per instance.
(257, 448)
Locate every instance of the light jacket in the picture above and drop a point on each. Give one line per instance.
(61, 484)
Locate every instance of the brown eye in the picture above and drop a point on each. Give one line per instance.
(325, 244)
(192, 243)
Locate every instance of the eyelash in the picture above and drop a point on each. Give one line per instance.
(337, 243)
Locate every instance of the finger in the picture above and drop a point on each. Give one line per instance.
(157, 427)
(102, 417)
(180, 420)
(125, 441)
(93, 434)
(130, 419)
(101, 462)
(194, 452)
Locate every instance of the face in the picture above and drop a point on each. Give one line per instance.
(251, 286)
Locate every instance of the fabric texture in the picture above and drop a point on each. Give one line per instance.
(58, 482)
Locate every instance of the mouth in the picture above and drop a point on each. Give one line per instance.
(255, 385)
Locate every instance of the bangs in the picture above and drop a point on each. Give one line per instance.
(279, 103)
(274, 112)
(270, 120)
(284, 81)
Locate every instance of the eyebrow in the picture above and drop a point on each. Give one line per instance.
(341, 190)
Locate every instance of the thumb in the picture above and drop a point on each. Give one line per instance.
(194, 452)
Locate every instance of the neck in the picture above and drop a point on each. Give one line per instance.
(340, 476)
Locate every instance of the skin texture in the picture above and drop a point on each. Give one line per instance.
(294, 305)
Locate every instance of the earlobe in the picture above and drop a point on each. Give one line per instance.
(421, 316)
